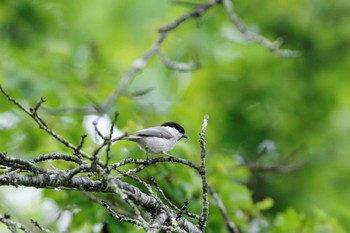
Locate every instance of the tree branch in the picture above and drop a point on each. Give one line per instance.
(62, 180)
(272, 46)
(43, 229)
(141, 62)
(205, 203)
(122, 217)
(231, 227)
(41, 123)
(11, 225)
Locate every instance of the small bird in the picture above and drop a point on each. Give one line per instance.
(158, 139)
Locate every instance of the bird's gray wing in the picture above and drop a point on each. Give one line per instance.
(157, 131)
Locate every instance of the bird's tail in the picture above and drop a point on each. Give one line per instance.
(126, 137)
(130, 138)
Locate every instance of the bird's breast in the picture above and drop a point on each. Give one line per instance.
(157, 145)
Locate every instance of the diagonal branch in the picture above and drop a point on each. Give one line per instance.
(230, 225)
(141, 62)
(43, 229)
(11, 225)
(272, 46)
(122, 217)
(42, 125)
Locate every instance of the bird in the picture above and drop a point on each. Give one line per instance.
(157, 139)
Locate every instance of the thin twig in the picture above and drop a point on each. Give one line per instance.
(127, 161)
(183, 209)
(11, 225)
(43, 229)
(122, 217)
(172, 205)
(82, 168)
(98, 132)
(37, 106)
(123, 195)
(285, 164)
(156, 185)
(273, 46)
(76, 152)
(57, 156)
(180, 66)
(230, 225)
(43, 125)
(138, 180)
(109, 138)
(142, 164)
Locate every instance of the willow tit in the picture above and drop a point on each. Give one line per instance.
(158, 139)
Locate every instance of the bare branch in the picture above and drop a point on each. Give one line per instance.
(109, 138)
(141, 62)
(43, 125)
(286, 164)
(141, 182)
(126, 198)
(156, 185)
(142, 164)
(57, 156)
(205, 203)
(183, 209)
(122, 217)
(276, 168)
(21, 164)
(200, 10)
(43, 229)
(83, 167)
(273, 46)
(36, 107)
(231, 227)
(172, 205)
(59, 180)
(76, 152)
(180, 66)
(11, 225)
(99, 133)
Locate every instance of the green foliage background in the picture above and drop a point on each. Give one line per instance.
(70, 50)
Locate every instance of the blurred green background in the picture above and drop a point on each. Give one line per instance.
(73, 51)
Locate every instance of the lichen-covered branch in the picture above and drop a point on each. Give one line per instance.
(12, 225)
(147, 202)
(205, 203)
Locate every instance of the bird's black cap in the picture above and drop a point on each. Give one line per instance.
(174, 125)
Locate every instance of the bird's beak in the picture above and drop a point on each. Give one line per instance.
(185, 136)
